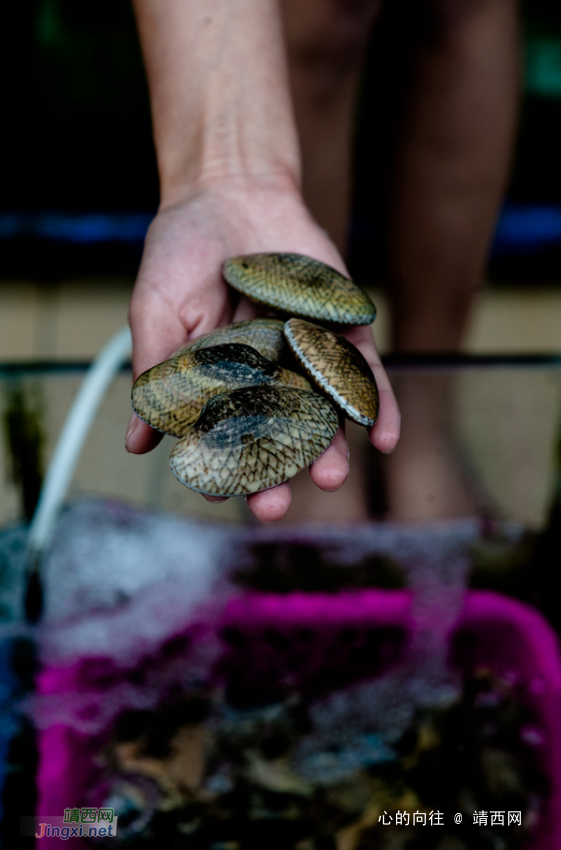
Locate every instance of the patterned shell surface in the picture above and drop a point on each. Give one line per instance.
(251, 439)
(338, 367)
(300, 286)
(265, 335)
(171, 395)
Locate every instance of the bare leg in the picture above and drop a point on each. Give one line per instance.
(451, 172)
(326, 40)
(451, 167)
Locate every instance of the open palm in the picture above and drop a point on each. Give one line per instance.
(180, 294)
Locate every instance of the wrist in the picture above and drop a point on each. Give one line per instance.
(229, 184)
(221, 105)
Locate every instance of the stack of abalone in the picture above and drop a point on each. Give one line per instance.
(245, 422)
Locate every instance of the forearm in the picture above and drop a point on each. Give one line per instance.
(219, 92)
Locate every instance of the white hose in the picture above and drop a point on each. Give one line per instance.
(72, 437)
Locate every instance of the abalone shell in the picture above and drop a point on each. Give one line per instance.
(265, 335)
(253, 438)
(300, 286)
(338, 367)
(171, 395)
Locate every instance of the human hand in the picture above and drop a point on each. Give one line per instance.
(180, 294)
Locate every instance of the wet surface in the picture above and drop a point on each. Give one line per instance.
(237, 687)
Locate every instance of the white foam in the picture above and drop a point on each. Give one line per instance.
(118, 581)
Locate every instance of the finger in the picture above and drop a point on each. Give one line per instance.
(270, 505)
(384, 435)
(246, 309)
(156, 331)
(156, 334)
(330, 470)
(140, 437)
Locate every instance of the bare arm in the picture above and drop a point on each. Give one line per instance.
(229, 169)
(219, 92)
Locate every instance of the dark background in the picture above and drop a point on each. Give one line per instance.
(79, 180)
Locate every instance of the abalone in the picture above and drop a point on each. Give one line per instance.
(250, 439)
(337, 367)
(300, 286)
(171, 395)
(265, 335)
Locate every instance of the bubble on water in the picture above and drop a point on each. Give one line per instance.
(134, 601)
(119, 581)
